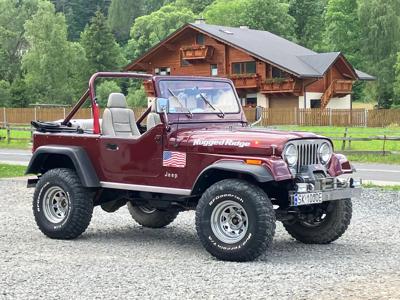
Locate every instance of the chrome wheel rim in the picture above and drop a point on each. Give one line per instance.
(147, 209)
(55, 204)
(229, 222)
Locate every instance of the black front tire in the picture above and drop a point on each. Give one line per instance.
(335, 222)
(61, 205)
(235, 220)
(151, 217)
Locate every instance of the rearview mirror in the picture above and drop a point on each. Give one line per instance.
(162, 105)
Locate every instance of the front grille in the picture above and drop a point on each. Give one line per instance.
(307, 151)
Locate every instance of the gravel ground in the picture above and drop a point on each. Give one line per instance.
(116, 258)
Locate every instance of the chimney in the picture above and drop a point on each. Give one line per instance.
(200, 21)
(244, 27)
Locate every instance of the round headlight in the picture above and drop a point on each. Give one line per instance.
(325, 153)
(290, 155)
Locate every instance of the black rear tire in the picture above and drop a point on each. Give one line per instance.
(151, 217)
(330, 228)
(235, 220)
(61, 205)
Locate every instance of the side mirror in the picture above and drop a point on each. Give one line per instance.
(162, 105)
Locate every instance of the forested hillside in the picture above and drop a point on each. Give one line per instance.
(48, 49)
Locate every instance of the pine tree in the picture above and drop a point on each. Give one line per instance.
(309, 16)
(53, 65)
(380, 43)
(121, 15)
(102, 51)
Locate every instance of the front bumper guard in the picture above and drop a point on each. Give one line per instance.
(342, 189)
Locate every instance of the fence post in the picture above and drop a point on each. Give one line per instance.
(4, 116)
(384, 144)
(8, 130)
(344, 139)
(366, 118)
(64, 112)
(35, 113)
(295, 116)
(330, 116)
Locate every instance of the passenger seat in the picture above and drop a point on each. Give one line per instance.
(153, 118)
(118, 119)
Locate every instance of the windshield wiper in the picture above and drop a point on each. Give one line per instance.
(222, 114)
(180, 103)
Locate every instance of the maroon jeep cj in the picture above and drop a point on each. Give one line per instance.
(191, 150)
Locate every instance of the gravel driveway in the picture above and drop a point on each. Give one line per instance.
(116, 258)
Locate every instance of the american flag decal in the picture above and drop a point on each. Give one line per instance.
(174, 159)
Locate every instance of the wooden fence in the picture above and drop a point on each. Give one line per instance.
(270, 116)
(326, 117)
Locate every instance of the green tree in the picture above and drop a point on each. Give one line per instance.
(78, 13)
(13, 15)
(137, 96)
(102, 51)
(196, 6)
(151, 29)
(380, 43)
(270, 15)
(342, 29)
(5, 93)
(104, 89)
(121, 15)
(309, 21)
(396, 86)
(52, 65)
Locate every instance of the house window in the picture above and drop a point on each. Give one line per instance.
(162, 71)
(248, 67)
(200, 39)
(214, 70)
(278, 73)
(315, 103)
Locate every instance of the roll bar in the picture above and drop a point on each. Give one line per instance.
(91, 92)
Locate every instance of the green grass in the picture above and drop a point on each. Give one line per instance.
(394, 188)
(393, 146)
(11, 170)
(15, 144)
(370, 158)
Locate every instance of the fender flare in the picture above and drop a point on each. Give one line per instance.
(260, 173)
(83, 166)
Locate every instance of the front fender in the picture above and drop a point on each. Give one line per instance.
(270, 170)
(82, 164)
(339, 165)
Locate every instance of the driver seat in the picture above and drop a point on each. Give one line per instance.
(118, 119)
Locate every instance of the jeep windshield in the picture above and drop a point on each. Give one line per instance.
(199, 96)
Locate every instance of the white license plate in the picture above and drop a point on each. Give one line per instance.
(308, 198)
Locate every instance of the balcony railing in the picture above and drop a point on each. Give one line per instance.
(280, 85)
(245, 81)
(338, 87)
(342, 86)
(197, 52)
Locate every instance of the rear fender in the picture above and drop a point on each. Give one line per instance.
(77, 155)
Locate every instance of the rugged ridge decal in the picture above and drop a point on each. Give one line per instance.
(225, 142)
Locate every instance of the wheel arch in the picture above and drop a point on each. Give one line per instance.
(73, 157)
(231, 169)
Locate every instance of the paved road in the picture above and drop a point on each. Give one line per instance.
(14, 156)
(378, 173)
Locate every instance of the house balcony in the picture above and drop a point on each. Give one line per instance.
(281, 86)
(245, 81)
(342, 87)
(197, 52)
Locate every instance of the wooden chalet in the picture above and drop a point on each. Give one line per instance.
(267, 70)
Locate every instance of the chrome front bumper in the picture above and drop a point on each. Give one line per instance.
(337, 189)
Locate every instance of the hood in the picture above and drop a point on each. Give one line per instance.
(244, 141)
